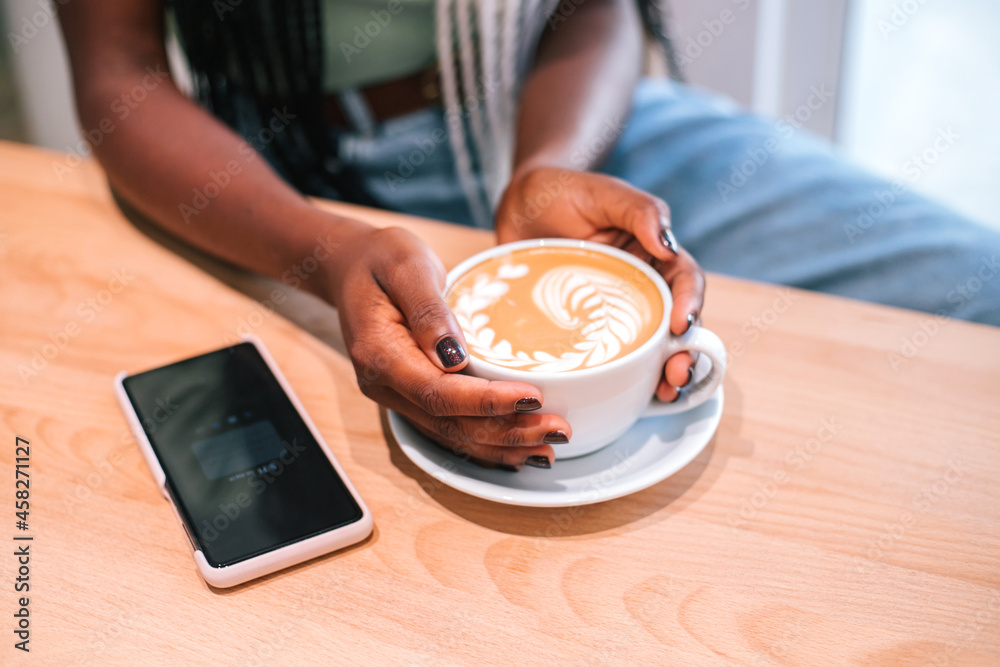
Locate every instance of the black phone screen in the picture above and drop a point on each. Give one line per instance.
(246, 473)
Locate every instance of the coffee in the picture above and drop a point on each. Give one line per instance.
(555, 309)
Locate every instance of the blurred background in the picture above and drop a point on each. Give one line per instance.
(894, 75)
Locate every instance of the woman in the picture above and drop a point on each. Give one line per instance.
(537, 121)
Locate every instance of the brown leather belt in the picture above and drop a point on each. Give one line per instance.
(391, 98)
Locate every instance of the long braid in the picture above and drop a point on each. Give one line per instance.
(501, 58)
(262, 54)
(468, 64)
(498, 172)
(267, 50)
(655, 19)
(453, 113)
(513, 14)
(492, 124)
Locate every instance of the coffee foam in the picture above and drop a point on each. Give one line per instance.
(555, 309)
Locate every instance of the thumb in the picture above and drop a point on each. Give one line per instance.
(511, 225)
(647, 218)
(428, 317)
(615, 204)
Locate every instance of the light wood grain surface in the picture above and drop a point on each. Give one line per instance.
(847, 511)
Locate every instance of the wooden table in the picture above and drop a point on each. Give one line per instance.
(848, 509)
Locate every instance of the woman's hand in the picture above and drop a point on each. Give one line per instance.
(406, 348)
(553, 202)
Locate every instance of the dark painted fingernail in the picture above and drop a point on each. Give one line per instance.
(538, 462)
(667, 237)
(529, 404)
(450, 351)
(691, 319)
(555, 438)
(504, 466)
(690, 376)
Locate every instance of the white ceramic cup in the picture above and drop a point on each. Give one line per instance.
(601, 403)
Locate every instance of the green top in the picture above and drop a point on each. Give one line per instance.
(370, 41)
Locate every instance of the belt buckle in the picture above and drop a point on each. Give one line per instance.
(430, 86)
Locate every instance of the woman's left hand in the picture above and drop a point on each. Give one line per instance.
(553, 202)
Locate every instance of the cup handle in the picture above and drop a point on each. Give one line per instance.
(696, 339)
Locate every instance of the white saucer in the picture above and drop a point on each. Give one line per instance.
(651, 451)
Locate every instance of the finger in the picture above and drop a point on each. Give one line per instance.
(650, 224)
(679, 370)
(618, 238)
(614, 203)
(415, 285)
(514, 230)
(536, 457)
(539, 456)
(687, 286)
(634, 248)
(666, 392)
(405, 370)
(678, 373)
(520, 430)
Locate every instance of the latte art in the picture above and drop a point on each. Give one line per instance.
(555, 309)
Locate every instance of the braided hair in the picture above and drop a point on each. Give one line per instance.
(249, 56)
(249, 60)
(656, 19)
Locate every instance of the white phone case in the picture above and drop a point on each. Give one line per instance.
(272, 561)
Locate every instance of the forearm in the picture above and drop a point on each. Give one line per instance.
(172, 160)
(579, 91)
(205, 184)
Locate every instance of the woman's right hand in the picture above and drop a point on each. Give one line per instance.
(407, 348)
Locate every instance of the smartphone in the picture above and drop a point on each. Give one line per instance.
(247, 473)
